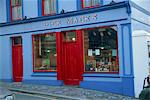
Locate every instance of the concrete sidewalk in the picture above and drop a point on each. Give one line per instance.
(66, 92)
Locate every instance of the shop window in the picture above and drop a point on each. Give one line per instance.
(44, 51)
(49, 7)
(70, 36)
(90, 3)
(16, 9)
(101, 50)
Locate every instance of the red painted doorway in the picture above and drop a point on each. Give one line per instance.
(17, 59)
(72, 57)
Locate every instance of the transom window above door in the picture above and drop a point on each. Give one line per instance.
(90, 3)
(16, 9)
(49, 7)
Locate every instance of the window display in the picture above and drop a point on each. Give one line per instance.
(101, 50)
(44, 47)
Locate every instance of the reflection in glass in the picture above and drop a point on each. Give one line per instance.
(101, 50)
(45, 52)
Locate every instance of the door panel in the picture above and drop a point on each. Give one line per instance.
(17, 59)
(72, 62)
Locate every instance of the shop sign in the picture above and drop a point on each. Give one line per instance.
(70, 20)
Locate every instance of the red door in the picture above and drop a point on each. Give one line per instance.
(73, 59)
(17, 59)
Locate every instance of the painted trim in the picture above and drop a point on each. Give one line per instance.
(8, 10)
(128, 25)
(78, 4)
(123, 63)
(131, 49)
(57, 7)
(44, 82)
(66, 27)
(6, 80)
(45, 74)
(39, 8)
(69, 14)
(140, 8)
(101, 75)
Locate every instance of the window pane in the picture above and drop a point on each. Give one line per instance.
(70, 36)
(95, 2)
(101, 50)
(16, 2)
(19, 12)
(16, 12)
(46, 7)
(49, 6)
(87, 3)
(45, 52)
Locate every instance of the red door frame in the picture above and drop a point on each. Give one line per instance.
(60, 55)
(17, 60)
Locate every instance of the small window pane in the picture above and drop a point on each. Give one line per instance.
(16, 2)
(70, 36)
(45, 52)
(17, 12)
(95, 2)
(16, 9)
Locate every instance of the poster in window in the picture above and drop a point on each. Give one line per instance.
(97, 52)
(90, 53)
(114, 52)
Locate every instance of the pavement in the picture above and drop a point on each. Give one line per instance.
(63, 92)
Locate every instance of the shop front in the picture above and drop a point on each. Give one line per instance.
(90, 48)
(72, 53)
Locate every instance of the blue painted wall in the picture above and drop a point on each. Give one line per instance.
(3, 16)
(67, 5)
(30, 8)
(6, 65)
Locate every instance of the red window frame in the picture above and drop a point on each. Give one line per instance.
(82, 2)
(11, 8)
(33, 53)
(117, 57)
(43, 8)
